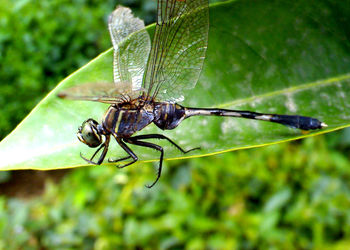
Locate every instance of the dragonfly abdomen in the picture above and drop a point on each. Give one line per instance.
(295, 121)
(168, 115)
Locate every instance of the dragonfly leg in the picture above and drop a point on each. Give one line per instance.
(103, 155)
(121, 159)
(135, 141)
(91, 159)
(129, 151)
(163, 137)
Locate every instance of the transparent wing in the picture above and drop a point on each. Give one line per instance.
(178, 49)
(99, 92)
(130, 58)
(130, 53)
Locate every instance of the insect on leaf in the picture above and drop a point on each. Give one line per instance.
(296, 65)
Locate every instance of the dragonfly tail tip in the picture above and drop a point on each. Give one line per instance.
(323, 125)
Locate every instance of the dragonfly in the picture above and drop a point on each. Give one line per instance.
(150, 80)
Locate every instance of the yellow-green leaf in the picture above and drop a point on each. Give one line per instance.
(288, 57)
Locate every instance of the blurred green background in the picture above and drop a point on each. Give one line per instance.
(291, 195)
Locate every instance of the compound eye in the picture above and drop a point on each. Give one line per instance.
(89, 134)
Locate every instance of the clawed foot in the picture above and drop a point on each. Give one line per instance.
(158, 176)
(121, 159)
(89, 161)
(125, 165)
(197, 148)
(150, 186)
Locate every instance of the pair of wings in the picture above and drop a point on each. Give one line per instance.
(164, 70)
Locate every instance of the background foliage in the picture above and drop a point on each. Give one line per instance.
(294, 195)
(41, 42)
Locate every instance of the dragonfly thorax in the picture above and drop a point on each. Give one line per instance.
(125, 119)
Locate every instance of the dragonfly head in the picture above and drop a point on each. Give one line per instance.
(89, 134)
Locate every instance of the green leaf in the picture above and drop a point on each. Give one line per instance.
(287, 57)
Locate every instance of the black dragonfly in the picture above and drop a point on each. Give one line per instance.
(149, 80)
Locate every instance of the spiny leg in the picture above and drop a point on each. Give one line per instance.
(134, 141)
(163, 137)
(129, 151)
(103, 155)
(120, 159)
(155, 136)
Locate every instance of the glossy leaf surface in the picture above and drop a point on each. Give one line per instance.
(273, 57)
